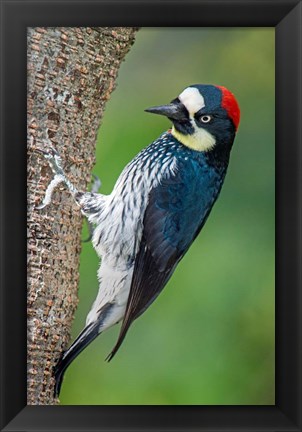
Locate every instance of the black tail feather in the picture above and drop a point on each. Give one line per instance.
(82, 341)
(120, 340)
(115, 350)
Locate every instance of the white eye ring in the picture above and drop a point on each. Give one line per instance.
(205, 118)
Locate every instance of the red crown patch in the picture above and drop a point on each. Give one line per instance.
(231, 106)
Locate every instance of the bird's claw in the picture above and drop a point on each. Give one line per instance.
(54, 160)
(41, 206)
(51, 151)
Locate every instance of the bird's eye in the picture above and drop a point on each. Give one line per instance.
(205, 118)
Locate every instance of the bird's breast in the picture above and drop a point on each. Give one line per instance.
(120, 224)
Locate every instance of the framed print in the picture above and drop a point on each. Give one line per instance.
(230, 355)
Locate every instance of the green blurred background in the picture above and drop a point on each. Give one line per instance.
(209, 337)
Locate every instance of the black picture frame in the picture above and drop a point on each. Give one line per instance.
(286, 17)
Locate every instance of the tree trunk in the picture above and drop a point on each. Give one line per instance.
(71, 74)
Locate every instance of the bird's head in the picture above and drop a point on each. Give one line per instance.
(203, 117)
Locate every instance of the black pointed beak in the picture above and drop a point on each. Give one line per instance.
(174, 111)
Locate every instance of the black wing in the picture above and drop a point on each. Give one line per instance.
(176, 212)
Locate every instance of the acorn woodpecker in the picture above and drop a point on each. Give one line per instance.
(157, 207)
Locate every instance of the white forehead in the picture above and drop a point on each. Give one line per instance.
(192, 100)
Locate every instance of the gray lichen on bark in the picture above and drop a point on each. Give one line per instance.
(71, 74)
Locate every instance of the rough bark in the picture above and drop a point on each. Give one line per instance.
(71, 74)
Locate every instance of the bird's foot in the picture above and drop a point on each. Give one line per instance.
(55, 163)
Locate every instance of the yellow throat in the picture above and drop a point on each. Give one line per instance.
(200, 140)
